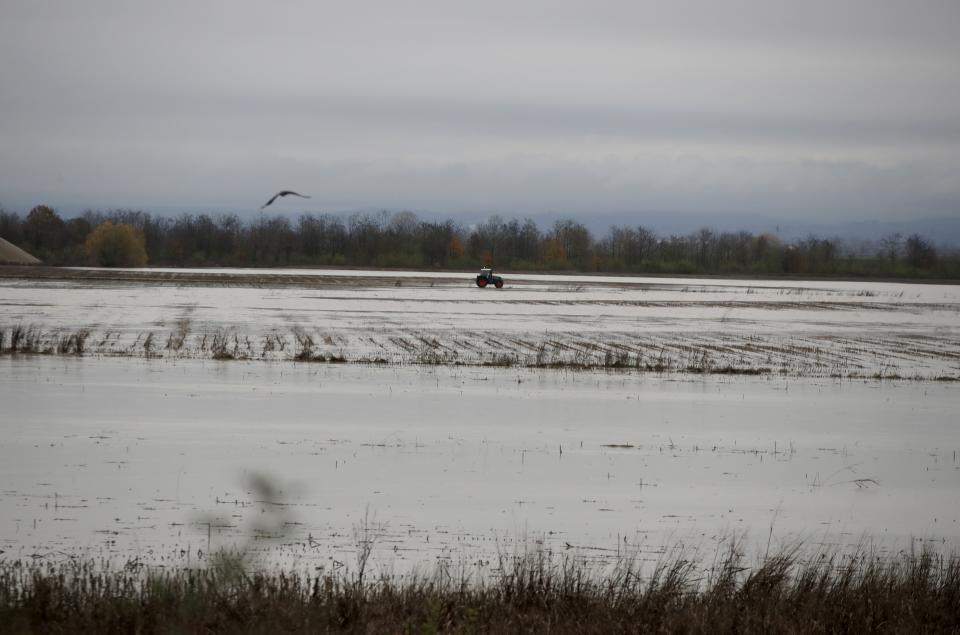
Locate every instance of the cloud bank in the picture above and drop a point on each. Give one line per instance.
(813, 111)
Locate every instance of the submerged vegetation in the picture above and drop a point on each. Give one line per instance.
(822, 357)
(402, 240)
(784, 592)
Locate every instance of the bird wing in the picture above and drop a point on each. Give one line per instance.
(272, 199)
(282, 193)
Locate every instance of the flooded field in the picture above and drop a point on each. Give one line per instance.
(158, 416)
(692, 326)
(166, 460)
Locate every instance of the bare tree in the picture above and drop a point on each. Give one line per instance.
(920, 253)
(890, 246)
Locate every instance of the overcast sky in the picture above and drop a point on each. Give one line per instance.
(814, 109)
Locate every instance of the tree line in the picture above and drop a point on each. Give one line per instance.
(402, 240)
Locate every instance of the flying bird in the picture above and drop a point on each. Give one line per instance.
(282, 193)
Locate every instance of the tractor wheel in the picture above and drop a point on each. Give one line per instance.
(498, 284)
(481, 282)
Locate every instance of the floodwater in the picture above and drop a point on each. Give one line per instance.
(166, 460)
(788, 328)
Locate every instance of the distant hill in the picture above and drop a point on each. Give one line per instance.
(10, 254)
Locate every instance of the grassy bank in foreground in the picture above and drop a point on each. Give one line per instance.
(862, 592)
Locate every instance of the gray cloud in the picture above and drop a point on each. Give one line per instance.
(786, 108)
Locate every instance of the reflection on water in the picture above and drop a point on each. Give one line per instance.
(167, 460)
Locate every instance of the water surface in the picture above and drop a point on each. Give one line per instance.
(159, 460)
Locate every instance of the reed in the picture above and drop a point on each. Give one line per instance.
(863, 591)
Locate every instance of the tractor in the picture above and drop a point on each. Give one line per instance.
(486, 277)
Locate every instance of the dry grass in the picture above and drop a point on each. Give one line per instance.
(863, 592)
